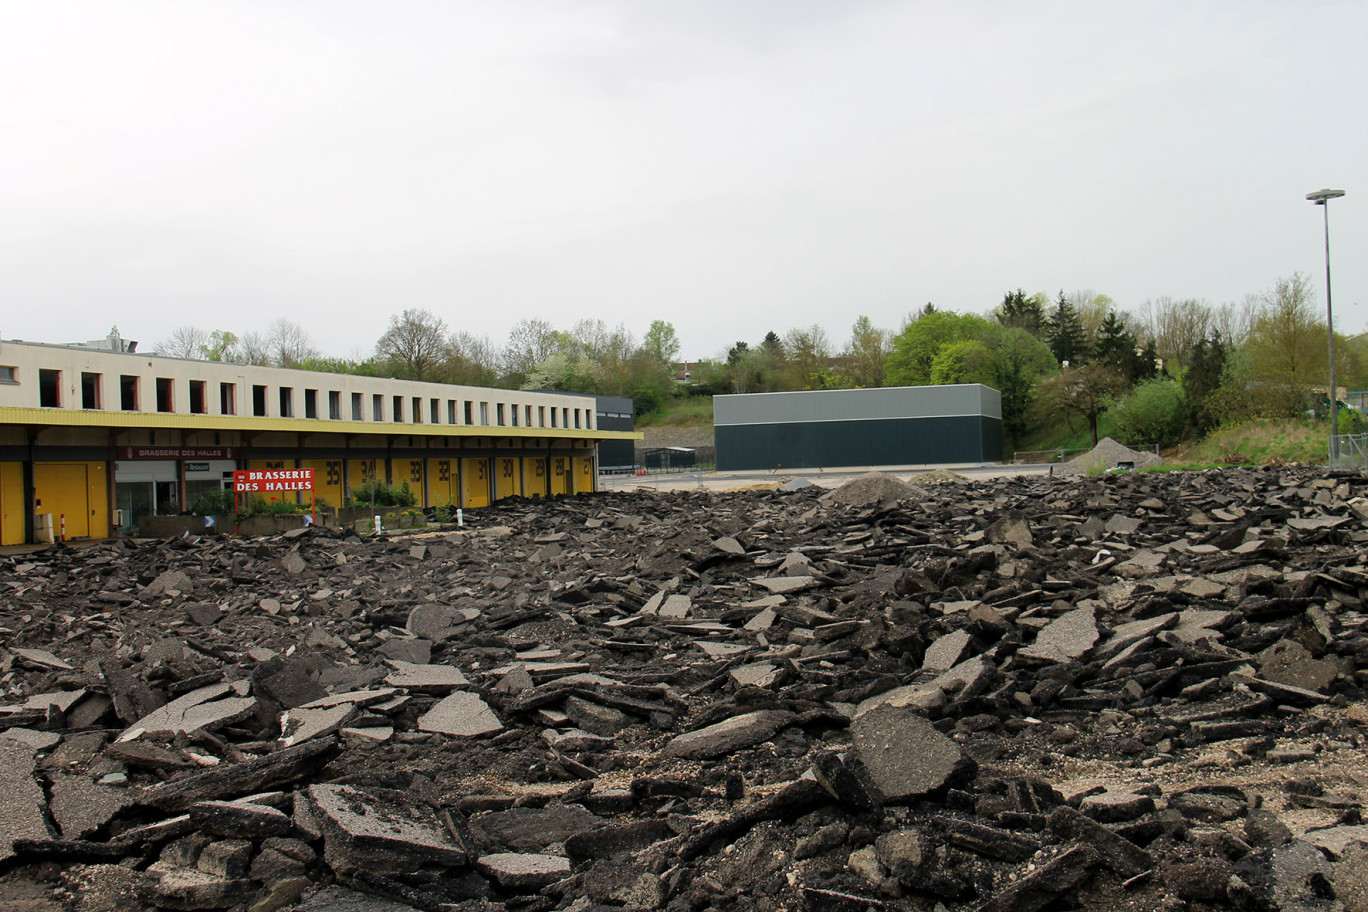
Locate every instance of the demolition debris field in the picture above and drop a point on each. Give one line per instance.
(1129, 691)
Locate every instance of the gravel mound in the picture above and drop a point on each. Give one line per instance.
(1106, 455)
(870, 488)
(937, 476)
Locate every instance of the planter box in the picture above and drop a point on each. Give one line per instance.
(271, 524)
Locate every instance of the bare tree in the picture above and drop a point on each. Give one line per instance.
(252, 349)
(1176, 326)
(416, 344)
(184, 342)
(287, 343)
(530, 342)
(473, 359)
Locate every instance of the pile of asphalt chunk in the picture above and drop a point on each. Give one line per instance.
(1123, 692)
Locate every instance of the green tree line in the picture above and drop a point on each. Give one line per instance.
(1169, 369)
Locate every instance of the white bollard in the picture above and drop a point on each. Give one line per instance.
(377, 523)
(460, 517)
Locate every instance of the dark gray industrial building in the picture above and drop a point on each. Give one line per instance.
(614, 413)
(900, 425)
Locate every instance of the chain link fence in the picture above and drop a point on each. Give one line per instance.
(1349, 451)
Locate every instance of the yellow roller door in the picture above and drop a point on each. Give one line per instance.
(62, 489)
(327, 480)
(534, 476)
(360, 472)
(442, 488)
(584, 474)
(560, 475)
(507, 477)
(11, 503)
(411, 471)
(474, 482)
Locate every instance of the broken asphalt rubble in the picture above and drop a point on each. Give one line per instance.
(1127, 691)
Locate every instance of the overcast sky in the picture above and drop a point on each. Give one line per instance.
(732, 167)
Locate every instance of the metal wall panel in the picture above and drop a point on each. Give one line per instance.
(897, 402)
(867, 442)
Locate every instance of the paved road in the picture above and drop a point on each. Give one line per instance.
(827, 478)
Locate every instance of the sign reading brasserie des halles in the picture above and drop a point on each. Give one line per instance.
(171, 452)
(268, 481)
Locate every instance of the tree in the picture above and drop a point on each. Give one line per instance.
(1287, 345)
(1116, 346)
(1085, 391)
(916, 347)
(1205, 367)
(530, 342)
(287, 343)
(1065, 333)
(1177, 326)
(807, 364)
(473, 360)
(415, 345)
(221, 346)
(184, 342)
(1153, 412)
(661, 342)
(1017, 311)
(252, 349)
(864, 359)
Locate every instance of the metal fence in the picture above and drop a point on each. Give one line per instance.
(1349, 451)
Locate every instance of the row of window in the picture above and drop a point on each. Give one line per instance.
(401, 409)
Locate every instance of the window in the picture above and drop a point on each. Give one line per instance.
(227, 398)
(541, 416)
(377, 407)
(286, 402)
(358, 403)
(334, 405)
(470, 413)
(577, 419)
(259, 401)
(484, 414)
(513, 413)
(565, 417)
(451, 411)
(499, 412)
(398, 409)
(417, 410)
(197, 404)
(128, 393)
(8, 374)
(310, 403)
(49, 388)
(528, 416)
(90, 391)
(553, 415)
(166, 388)
(435, 410)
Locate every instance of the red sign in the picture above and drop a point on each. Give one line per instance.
(171, 452)
(270, 481)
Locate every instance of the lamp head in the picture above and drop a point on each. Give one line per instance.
(1319, 197)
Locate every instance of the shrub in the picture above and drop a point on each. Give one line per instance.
(383, 495)
(214, 503)
(1152, 413)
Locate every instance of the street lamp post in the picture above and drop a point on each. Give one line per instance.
(1322, 198)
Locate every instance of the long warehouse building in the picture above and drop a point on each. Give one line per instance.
(900, 425)
(100, 435)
